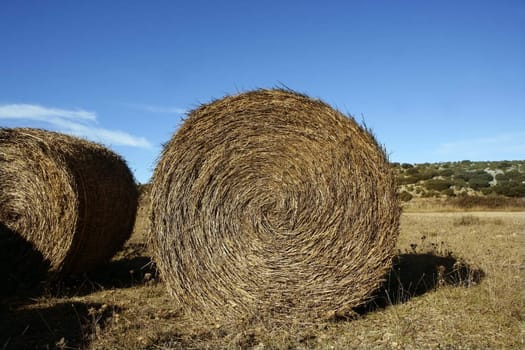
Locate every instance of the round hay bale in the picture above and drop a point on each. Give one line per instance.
(73, 200)
(272, 203)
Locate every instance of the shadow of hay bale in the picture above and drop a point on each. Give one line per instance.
(125, 272)
(121, 273)
(22, 267)
(414, 274)
(61, 326)
(73, 200)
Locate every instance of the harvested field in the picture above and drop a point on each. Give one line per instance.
(453, 286)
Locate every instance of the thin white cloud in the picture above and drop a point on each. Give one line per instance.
(503, 146)
(35, 112)
(114, 137)
(75, 122)
(158, 109)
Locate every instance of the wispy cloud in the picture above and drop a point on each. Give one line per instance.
(35, 112)
(76, 122)
(502, 146)
(158, 109)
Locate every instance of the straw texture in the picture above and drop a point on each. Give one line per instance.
(272, 204)
(73, 200)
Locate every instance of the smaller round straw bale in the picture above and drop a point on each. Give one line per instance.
(72, 200)
(272, 204)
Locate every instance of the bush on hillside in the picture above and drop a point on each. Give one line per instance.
(438, 184)
(406, 180)
(487, 191)
(502, 177)
(426, 174)
(405, 196)
(446, 172)
(478, 183)
(411, 171)
(449, 192)
(510, 189)
(503, 165)
(459, 183)
(480, 179)
(515, 175)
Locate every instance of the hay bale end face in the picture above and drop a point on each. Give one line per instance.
(73, 200)
(270, 203)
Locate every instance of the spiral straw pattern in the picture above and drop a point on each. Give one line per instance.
(272, 204)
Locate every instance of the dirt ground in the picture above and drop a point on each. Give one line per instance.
(457, 282)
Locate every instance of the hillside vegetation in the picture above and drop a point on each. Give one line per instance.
(451, 179)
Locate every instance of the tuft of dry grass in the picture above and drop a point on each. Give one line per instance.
(69, 203)
(271, 204)
(467, 220)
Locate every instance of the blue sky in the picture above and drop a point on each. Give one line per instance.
(435, 80)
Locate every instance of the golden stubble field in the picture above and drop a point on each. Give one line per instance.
(457, 283)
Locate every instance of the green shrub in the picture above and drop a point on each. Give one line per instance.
(503, 165)
(510, 184)
(446, 172)
(462, 175)
(405, 196)
(477, 183)
(427, 174)
(449, 192)
(502, 177)
(515, 175)
(412, 171)
(431, 193)
(406, 180)
(438, 184)
(480, 179)
(510, 189)
(487, 191)
(459, 183)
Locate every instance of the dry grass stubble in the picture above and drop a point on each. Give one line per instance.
(135, 312)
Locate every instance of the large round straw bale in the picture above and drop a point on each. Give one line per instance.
(73, 200)
(272, 203)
